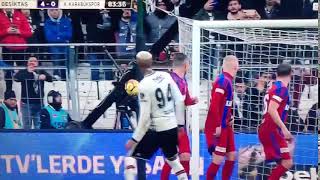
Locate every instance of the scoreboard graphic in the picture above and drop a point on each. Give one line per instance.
(66, 4)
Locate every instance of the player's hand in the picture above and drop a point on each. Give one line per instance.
(287, 134)
(195, 100)
(130, 144)
(218, 131)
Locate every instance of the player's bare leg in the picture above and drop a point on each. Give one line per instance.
(282, 167)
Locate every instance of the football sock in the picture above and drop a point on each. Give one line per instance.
(177, 169)
(212, 171)
(227, 170)
(186, 166)
(130, 170)
(166, 169)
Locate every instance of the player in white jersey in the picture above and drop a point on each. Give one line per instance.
(160, 103)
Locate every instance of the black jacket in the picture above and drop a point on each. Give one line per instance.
(32, 89)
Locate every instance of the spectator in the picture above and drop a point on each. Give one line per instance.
(240, 88)
(291, 9)
(310, 9)
(76, 16)
(158, 22)
(32, 92)
(253, 101)
(53, 116)
(9, 118)
(313, 118)
(99, 29)
(208, 12)
(271, 10)
(126, 33)
(257, 5)
(58, 29)
(294, 123)
(181, 8)
(14, 29)
(235, 12)
(36, 24)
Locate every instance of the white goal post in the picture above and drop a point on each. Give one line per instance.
(191, 43)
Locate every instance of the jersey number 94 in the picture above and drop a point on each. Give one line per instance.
(161, 98)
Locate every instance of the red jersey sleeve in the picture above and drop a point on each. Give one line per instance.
(188, 101)
(279, 94)
(214, 117)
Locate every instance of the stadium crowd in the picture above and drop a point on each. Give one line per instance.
(119, 26)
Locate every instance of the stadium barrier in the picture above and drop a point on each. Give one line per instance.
(97, 155)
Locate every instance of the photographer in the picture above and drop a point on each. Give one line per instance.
(53, 116)
(32, 92)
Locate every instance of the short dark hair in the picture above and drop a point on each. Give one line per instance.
(234, 0)
(284, 70)
(179, 59)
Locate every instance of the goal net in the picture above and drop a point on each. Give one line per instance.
(260, 46)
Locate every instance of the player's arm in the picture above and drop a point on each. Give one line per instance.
(178, 101)
(144, 119)
(213, 121)
(189, 100)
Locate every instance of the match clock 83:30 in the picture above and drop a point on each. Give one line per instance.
(48, 4)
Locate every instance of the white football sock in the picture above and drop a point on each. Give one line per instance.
(130, 170)
(178, 169)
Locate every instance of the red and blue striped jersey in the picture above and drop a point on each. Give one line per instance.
(279, 94)
(220, 112)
